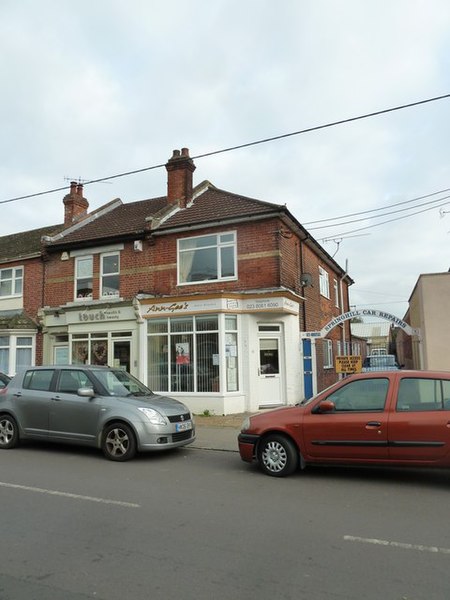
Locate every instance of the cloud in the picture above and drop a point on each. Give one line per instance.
(105, 87)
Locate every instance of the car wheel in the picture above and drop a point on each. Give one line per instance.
(277, 456)
(118, 442)
(9, 432)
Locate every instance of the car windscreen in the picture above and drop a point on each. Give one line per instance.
(120, 383)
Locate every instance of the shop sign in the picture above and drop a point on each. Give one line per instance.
(220, 304)
(94, 316)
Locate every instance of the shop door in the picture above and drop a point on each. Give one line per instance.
(122, 354)
(269, 378)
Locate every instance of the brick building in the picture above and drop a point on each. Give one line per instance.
(203, 294)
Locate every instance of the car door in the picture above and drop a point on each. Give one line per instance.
(31, 401)
(356, 429)
(419, 428)
(73, 417)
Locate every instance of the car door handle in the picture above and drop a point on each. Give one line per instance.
(57, 398)
(373, 424)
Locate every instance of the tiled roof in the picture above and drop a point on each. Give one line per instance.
(135, 218)
(219, 205)
(121, 220)
(24, 244)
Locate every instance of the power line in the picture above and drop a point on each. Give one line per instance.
(393, 212)
(240, 146)
(342, 235)
(365, 212)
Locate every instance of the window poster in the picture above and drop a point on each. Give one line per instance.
(183, 356)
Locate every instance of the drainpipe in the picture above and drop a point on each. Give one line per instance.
(341, 292)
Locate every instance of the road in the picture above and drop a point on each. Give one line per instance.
(199, 524)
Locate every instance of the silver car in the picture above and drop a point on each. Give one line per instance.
(94, 406)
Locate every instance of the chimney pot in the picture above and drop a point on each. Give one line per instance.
(179, 178)
(75, 206)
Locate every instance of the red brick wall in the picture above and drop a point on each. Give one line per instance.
(318, 311)
(269, 256)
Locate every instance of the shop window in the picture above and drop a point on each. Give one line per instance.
(207, 258)
(184, 354)
(11, 282)
(16, 352)
(83, 277)
(109, 275)
(231, 353)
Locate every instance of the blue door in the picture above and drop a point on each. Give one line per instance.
(307, 368)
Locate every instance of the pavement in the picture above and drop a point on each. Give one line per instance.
(215, 432)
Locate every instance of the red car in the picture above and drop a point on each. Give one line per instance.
(399, 418)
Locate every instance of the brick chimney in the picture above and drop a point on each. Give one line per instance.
(179, 178)
(74, 203)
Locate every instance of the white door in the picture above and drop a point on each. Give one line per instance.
(269, 372)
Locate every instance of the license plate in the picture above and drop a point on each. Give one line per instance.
(183, 426)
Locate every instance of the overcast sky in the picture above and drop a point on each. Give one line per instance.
(96, 88)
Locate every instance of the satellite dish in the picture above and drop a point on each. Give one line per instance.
(306, 280)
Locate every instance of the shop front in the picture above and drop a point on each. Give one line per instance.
(92, 334)
(223, 354)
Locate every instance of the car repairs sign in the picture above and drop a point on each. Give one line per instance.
(348, 364)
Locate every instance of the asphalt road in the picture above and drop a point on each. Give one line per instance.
(200, 524)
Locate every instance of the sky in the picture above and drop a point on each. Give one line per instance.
(95, 89)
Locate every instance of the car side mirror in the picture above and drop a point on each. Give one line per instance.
(86, 392)
(326, 406)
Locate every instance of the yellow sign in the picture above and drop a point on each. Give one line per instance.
(348, 364)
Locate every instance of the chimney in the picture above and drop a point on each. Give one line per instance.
(179, 178)
(74, 203)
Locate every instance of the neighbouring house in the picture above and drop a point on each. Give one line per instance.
(203, 294)
(377, 336)
(428, 312)
(21, 297)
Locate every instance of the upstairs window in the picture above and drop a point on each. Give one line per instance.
(207, 258)
(11, 282)
(324, 283)
(109, 275)
(336, 292)
(83, 277)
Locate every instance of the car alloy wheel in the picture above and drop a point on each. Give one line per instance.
(277, 456)
(9, 432)
(118, 443)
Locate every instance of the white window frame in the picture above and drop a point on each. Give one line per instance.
(336, 292)
(16, 278)
(13, 348)
(324, 283)
(328, 354)
(78, 260)
(219, 244)
(106, 275)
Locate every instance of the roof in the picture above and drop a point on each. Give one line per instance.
(117, 221)
(24, 244)
(371, 330)
(154, 216)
